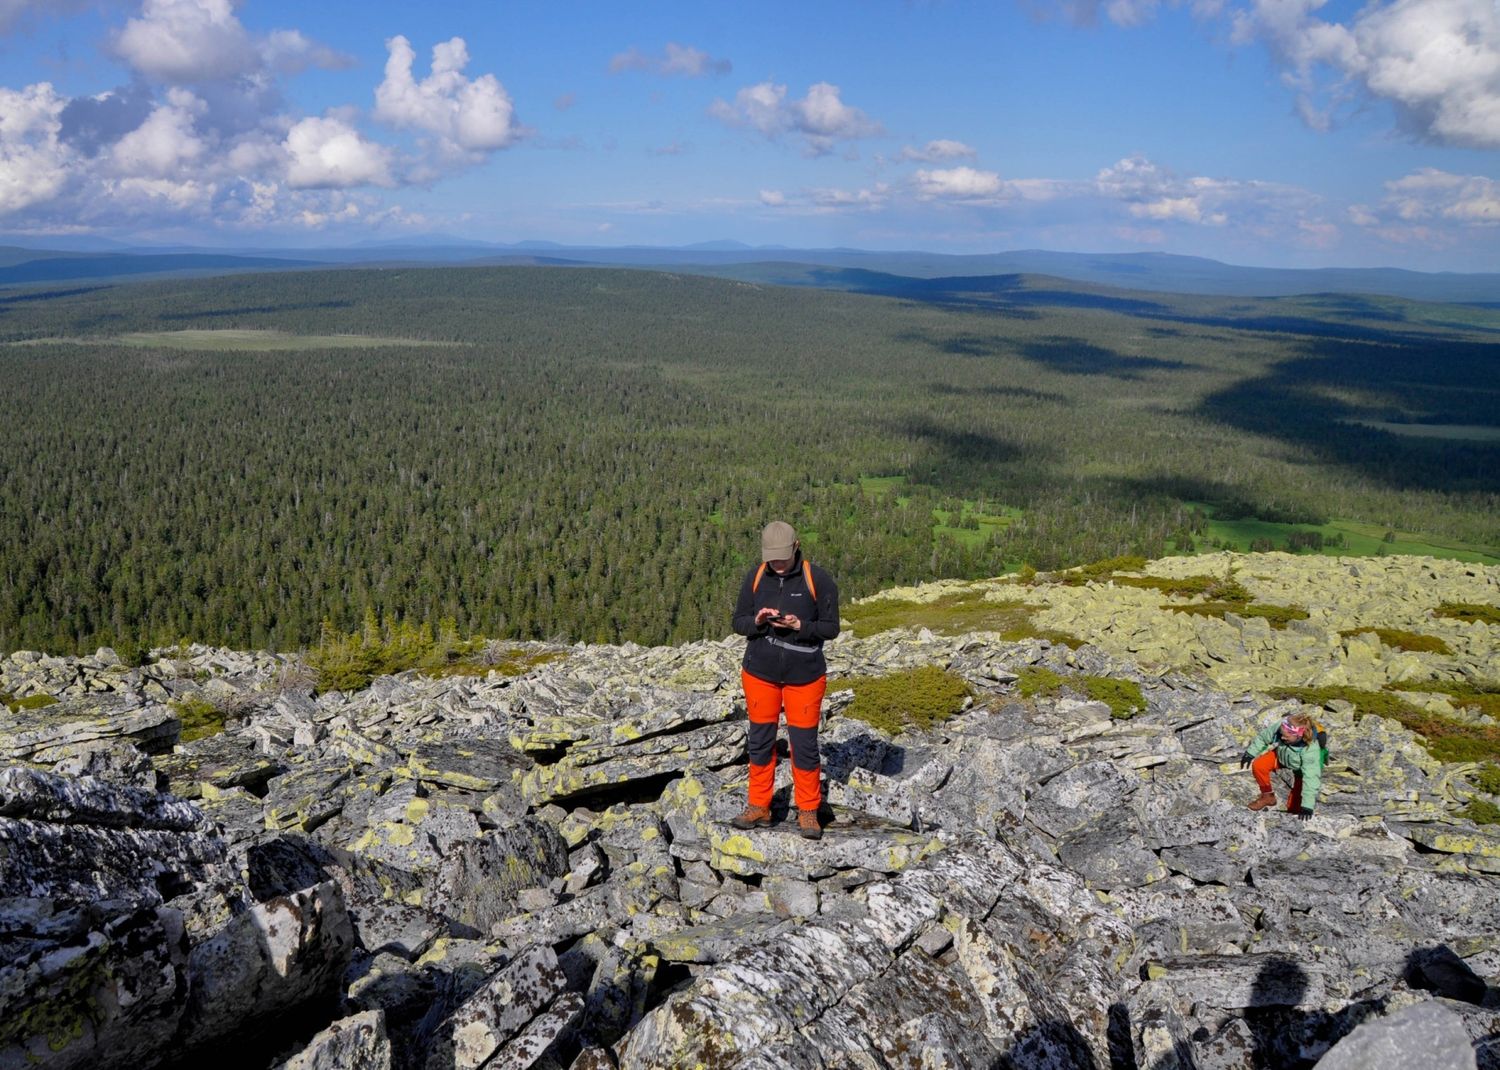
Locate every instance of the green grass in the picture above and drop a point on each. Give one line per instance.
(1397, 639)
(259, 341)
(1278, 616)
(1123, 697)
(1469, 612)
(1360, 539)
(972, 527)
(912, 698)
(1481, 812)
(1446, 740)
(1487, 779)
(199, 717)
(954, 614)
(30, 702)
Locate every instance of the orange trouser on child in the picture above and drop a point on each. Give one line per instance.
(1264, 766)
(803, 703)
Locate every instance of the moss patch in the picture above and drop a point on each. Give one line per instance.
(1400, 640)
(912, 698)
(1277, 616)
(1487, 779)
(1469, 612)
(199, 717)
(1213, 588)
(30, 702)
(1099, 571)
(954, 614)
(1123, 697)
(1446, 740)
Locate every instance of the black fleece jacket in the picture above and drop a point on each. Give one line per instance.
(781, 655)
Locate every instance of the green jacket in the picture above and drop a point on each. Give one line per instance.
(1305, 759)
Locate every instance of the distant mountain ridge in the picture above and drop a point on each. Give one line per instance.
(1157, 272)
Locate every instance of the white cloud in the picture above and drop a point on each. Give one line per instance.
(166, 143)
(941, 149)
(1151, 192)
(328, 153)
(468, 117)
(1436, 61)
(675, 59)
(821, 118)
(1429, 196)
(772, 198)
(958, 183)
(187, 41)
(33, 160)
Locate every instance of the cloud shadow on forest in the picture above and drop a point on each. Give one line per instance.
(1423, 379)
(1073, 356)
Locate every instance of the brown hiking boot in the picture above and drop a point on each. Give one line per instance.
(1264, 801)
(754, 817)
(808, 825)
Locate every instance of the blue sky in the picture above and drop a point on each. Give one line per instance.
(1286, 132)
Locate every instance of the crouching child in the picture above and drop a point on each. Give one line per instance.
(1297, 743)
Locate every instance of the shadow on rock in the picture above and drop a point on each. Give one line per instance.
(1050, 1045)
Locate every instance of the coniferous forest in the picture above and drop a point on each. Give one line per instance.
(589, 454)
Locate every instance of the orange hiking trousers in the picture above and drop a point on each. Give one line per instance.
(803, 703)
(1263, 767)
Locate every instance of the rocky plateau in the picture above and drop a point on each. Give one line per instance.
(538, 870)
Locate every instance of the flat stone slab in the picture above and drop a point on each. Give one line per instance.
(476, 764)
(32, 734)
(710, 943)
(224, 761)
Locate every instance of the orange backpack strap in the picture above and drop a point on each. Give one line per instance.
(755, 583)
(807, 575)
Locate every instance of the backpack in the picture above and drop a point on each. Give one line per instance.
(806, 574)
(1321, 734)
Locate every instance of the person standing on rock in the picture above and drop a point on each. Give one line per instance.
(788, 607)
(1295, 743)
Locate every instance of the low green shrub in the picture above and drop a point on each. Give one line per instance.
(199, 717)
(1481, 812)
(911, 698)
(1469, 612)
(1487, 779)
(1397, 639)
(348, 661)
(1099, 571)
(1277, 616)
(1123, 697)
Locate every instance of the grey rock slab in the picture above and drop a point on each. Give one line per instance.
(1206, 865)
(499, 1009)
(32, 734)
(540, 1034)
(1078, 794)
(81, 863)
(271, 959)
(1108, 853)
(1425, 1035)
(713, 942)
(30, 793)
(479, 880)
(226, 760)
(111, 760)
(398, 928)
(474, 763)
(1236, 982)
(358, 1042)
(307, 795)
(110, 995)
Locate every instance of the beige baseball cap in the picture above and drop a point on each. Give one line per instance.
(778, 542)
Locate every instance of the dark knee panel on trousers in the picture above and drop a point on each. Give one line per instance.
(761, 742)
(804, 747)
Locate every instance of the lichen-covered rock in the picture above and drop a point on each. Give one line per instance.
(48, 734)
(358, 1042)
(499, 1010)
(1425, 1035)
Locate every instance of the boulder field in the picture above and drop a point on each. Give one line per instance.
(538, 870)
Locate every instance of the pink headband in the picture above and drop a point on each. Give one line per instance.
(1293, 729)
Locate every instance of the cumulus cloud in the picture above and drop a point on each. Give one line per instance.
(1436, 61)
(821, 117)
(186, 41)
(166, 143)
(826, 199)
(1154, 193)
(1430, 195)
(934, 151)
(328, 153)
(958, 183)
(33, 158)
(467, 117)
(675, 59)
